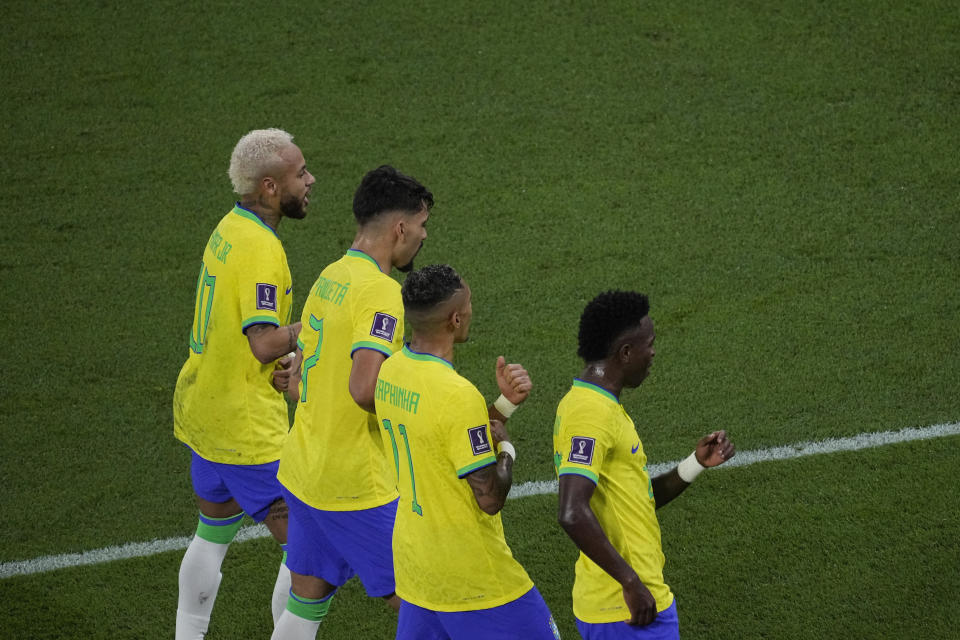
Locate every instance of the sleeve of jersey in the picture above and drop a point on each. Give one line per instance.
(260, 281)
(468, 441)
(582, 447)
(378, 323)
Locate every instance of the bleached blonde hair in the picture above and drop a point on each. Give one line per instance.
(255, 155)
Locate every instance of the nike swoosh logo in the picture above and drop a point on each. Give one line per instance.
(635, 448)
(289, 289)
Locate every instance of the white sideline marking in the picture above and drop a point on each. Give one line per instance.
(535, 488)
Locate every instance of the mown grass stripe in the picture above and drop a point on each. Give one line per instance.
(534, 488)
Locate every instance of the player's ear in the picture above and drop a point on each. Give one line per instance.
(269, 185)
(624, 352)
(400, 228)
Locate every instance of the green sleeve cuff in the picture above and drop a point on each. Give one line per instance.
(479, 464)
(249, 322)
(577, 471)
(385, 350)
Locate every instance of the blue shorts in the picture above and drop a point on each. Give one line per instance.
(254, 486)
(665, 627)
(526, 617)
(335, 545)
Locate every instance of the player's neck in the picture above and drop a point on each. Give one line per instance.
(269, 216)
(604, 376)
(440, 346)
(375, 246)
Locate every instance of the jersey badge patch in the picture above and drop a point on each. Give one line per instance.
(266, 296)
(384, 326)
(478, 440)
(581, 450)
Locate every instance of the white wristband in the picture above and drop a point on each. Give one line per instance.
(690, 468)
(504, 406)
(507, 448)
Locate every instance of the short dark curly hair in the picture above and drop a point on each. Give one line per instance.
(386, 189)
(429, 286)
(605, 318)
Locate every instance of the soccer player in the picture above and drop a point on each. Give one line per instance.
(454, 467)
(336, 478)
(607, 499)
(227, 406)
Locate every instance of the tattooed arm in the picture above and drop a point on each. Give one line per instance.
(491, 484)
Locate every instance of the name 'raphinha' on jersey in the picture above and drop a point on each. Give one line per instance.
(398, 396)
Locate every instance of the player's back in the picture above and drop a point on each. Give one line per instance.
(449, 555)
(333, 458)
(225, 408)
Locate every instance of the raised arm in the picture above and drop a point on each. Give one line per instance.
(712, 450)
(581, 524)
(515, 385)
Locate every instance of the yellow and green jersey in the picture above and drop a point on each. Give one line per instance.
(594, 437)
(224, 406)
(333, 458)
(448, 555)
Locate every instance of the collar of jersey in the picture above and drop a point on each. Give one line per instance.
(425, 357)
(583, 384)
(250, 215)
(356, 253)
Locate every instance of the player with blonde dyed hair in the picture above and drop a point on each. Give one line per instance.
(228, 407)
(255, 155)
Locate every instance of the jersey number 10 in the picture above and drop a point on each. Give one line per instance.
(205, 286)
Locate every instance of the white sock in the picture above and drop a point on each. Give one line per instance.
(292, 627)
(199, 580)
(281, 591)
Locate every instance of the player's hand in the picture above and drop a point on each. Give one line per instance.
(280, 376)
(715, 449)
(640, 603)
(498, 432)
(293, 385)
(513, 380)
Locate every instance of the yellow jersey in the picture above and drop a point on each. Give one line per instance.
(333, 458)
(224, 407)
(448, 555)
(595, 438)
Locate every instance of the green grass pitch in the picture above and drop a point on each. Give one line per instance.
(781, 178)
